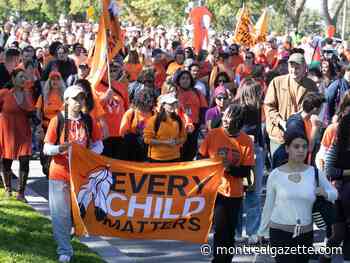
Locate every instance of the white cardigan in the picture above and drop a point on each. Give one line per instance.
(287, 201)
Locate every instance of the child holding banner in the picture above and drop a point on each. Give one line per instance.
(165, 132)
(72, 126)
(237, 150)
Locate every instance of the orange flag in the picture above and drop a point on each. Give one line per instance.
(244, 31)
(108, 41)
(262, 27)
(142, 200)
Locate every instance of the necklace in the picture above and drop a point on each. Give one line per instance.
(294, 177)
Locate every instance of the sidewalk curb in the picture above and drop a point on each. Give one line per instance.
(103, 248)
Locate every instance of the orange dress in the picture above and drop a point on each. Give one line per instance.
(15, 131)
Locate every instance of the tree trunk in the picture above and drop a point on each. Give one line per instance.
(325, 10)
(294, 9)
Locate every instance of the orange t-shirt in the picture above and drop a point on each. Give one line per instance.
(134, 121)
(114, 110)
(235, 61)
(173, 67)
(192, 101)
(329, 135)
(59, 167)
(168, 129)
(160, 74)
(243, 71)
(133, 70)
(51, 108)
(239, 150)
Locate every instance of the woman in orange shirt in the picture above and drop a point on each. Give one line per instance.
(237, 150)
(133, 67)
(51, 100)
(165, 132)
(15, 130)
(78, 128)
(194, 105)
(133, 124)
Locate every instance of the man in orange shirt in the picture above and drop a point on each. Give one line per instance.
(114, 105)
(237, 150)
(178, 63)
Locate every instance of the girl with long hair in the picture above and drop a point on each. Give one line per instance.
(67, 127)
(165, 132)
(249, 96)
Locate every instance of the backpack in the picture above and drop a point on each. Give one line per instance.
(45, 160)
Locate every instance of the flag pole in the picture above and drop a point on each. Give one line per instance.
(107, 61)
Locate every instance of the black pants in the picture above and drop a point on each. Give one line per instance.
(189, 149)
(134, 149)
(23, 164)
(113, 147)
(341, 229)
(225, 220)
(279, 238)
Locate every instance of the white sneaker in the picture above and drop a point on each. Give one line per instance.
(64, 258)
(253, 239)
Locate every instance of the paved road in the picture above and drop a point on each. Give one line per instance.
(143, 251)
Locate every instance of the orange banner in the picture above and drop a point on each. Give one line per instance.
(141, 200)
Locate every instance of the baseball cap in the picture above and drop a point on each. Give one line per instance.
(169, 98)
(72, 92)
(297, 58)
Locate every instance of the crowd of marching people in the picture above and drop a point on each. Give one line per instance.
(273, 107)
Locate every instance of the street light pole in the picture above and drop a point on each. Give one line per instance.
(344, 20)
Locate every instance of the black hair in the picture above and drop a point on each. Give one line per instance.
(236, 113)
(175, 44)
(194, 64)
(28, 49)
(86, 86)
(161, 116)
(11, 53)
(221, 74)
(76, 45)
(289, 137)
(312, 100)
(53, 47)
(179, 75)
(315, 72)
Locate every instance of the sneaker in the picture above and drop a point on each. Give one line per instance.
(64, 258)
(253, 239)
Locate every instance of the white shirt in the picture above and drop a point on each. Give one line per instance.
(287, 201)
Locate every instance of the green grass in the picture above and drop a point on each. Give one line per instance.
(26, 236)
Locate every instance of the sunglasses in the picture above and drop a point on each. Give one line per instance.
(221, 98)
(248, 57)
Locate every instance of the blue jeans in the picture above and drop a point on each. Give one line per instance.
(60, 210)
(252, 200)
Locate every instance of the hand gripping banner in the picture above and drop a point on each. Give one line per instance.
(142, 200)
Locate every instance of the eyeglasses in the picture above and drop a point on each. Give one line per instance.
(221, 98)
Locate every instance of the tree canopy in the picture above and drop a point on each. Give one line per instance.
(285, 14)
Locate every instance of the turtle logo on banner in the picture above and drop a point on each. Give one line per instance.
(96, 190)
